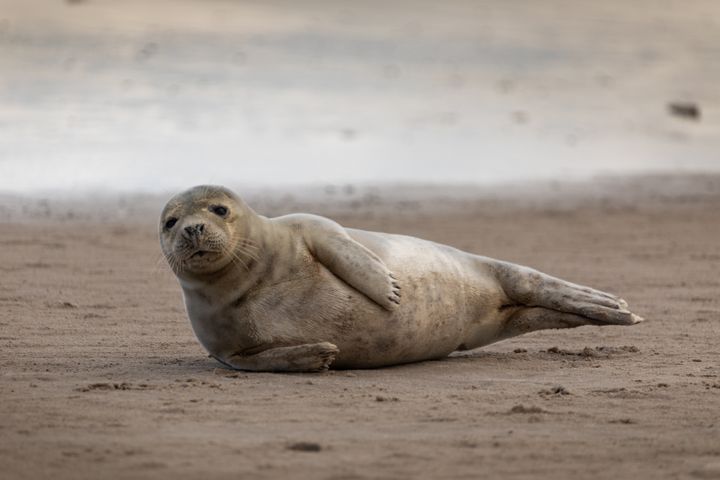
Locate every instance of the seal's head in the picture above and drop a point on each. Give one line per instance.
(203, 230)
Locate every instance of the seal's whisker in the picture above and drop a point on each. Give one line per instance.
(235, 257)
(252, 255)
(175, 263)
(246, 242)
(247, 247)
(249, 244)
(159, 259)
(249, 250)
(161, 263)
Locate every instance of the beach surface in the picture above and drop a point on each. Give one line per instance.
(102, 377)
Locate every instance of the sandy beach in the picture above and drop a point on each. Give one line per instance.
(102, 377)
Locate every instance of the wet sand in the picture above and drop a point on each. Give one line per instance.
(102, 378)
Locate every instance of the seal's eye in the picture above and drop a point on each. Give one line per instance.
(219, 210)
(170, 223)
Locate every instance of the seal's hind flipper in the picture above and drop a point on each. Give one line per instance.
(530, 288)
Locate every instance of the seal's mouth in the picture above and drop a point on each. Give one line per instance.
(200, 254)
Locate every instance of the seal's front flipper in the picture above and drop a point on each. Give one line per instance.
(311, 357)
(351, 261)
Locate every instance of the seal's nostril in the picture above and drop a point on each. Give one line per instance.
(196, 229)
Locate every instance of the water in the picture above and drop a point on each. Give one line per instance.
(131, 96)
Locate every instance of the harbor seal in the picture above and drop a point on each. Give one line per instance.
(301, 293)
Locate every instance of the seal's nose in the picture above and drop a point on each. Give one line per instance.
(196, 229)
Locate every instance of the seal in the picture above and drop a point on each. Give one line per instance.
(301, 293)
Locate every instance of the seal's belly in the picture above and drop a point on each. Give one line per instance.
(443, 304)
(446, 305)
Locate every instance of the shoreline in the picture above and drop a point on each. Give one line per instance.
(641, 191)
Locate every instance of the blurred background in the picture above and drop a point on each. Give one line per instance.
(155, 96)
